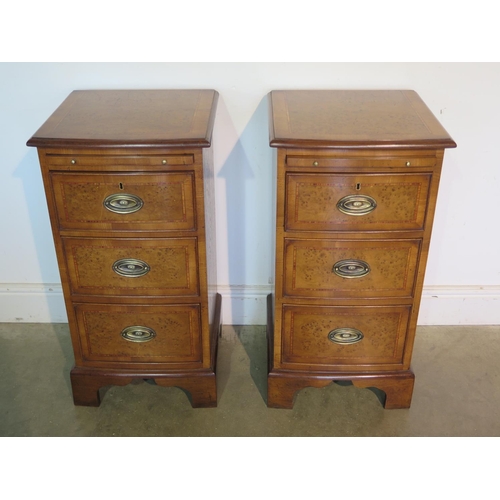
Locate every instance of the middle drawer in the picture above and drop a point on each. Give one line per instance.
(123, 266)
(345, 268)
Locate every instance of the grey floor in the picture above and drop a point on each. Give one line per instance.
(457, 392)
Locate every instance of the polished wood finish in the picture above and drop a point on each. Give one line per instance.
(86, 384)
(377, 149)
(305, 337)
(170, 200)
(113, 118)
(354, 119)
(401, 201)
(309, 268)
(162, 324)
(397, 386)
(177, 329)
(172, 263)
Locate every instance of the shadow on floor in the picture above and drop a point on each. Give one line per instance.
(449, 362)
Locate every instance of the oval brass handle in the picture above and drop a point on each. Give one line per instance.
(345, 336)
(351, 268)
(131, 268)
(356, 204)
(121, 203)
(138, 334)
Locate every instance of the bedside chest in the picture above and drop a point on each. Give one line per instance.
(128, 177)
(357, 181)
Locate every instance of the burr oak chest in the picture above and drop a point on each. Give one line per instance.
(357, 181)
(128, 177)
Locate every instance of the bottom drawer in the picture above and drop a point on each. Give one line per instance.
(343, 336)
(160, 334)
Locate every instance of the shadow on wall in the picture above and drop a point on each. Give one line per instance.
(48, 294)
(248, 171)
(249, 193)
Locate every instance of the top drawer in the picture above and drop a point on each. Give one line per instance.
(125, 201)
(403, 161)
(355, 202)
(110, 162)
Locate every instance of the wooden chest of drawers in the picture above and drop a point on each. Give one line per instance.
(128, 176)
(357, 181)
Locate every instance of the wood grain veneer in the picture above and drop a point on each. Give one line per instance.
(357, 181)
(149, 150)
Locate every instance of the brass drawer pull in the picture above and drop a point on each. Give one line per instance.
(356, 204)
(351, 268)
(123, 203)
(138, 334)
(345, 336)
(131, 268)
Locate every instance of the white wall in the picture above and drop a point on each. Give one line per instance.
(462, 284)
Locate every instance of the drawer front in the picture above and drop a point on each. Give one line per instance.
(403, 161)
(58, 161)
(362, 335)
(125, 201)
(355, 269)
(119, 266)
(143, 334)
(350, 202)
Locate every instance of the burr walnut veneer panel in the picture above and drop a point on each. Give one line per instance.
(357, 182)
(306, 339)
(128, 177)
(167, 200)
(162, 266)
(313, 268)
(312, 201)
(177, 330)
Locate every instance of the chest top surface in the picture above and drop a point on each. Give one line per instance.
(385, 119)
(113, 118)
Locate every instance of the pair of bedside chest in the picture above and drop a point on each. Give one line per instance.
(129, 182)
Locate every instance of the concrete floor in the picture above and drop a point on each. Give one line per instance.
(457, 392)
